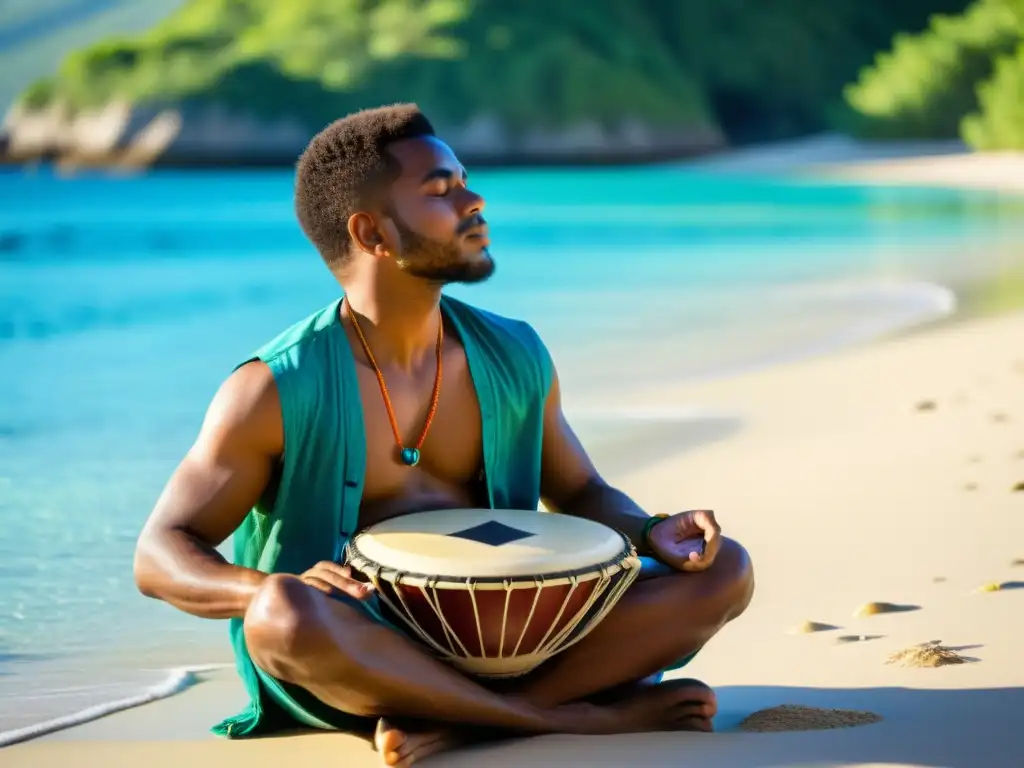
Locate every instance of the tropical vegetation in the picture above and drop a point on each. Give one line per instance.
(961, 77)
(753, 71)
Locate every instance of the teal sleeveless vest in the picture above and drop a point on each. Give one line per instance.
(316, 505)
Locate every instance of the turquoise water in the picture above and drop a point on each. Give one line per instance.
(124, 302)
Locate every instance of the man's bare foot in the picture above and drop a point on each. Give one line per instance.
(674, 705)
(402, 747)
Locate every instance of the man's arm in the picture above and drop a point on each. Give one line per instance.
(571, 484)
(211, 491)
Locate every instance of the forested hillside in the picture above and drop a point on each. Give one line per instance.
(745, 71)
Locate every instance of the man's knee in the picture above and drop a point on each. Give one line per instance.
(722, 592)
(289, 637)
(734, 578)
(277, 624)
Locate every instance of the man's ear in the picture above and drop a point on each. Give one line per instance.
(367, 234)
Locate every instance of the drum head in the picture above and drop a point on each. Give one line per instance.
(490, 544)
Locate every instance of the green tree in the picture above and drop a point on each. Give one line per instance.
(1000, 123)
(777, 69)
(755, 70)
(927, 83)
(539, 65)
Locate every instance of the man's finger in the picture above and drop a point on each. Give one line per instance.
(698, 565)
(694, 520)
(705, 520)
(340, 571)
(355, 589)
(712, 542)
(711, 549)
(339, 577)
(318, 584)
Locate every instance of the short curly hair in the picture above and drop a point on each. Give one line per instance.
(346, 167)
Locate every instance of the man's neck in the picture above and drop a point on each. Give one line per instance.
(398, 318)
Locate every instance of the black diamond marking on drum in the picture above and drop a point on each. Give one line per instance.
(493, 533)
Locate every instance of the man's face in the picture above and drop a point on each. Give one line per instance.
(442, 234)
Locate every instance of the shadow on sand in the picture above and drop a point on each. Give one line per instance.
(975, 728)
(941, 728)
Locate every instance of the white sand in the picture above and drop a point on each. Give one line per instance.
(838, 158)
(995, 171)
(827, 149)
(845, 493)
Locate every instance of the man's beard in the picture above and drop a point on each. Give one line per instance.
(440, 262)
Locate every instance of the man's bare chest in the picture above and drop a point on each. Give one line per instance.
(451, 455)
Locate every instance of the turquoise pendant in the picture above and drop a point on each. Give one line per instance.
(411, 456)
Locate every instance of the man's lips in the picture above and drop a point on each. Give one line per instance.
(479, 233)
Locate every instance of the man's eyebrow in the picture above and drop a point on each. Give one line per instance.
(442, 173)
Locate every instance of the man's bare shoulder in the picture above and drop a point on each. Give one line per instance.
(252, 382)
(246, 409)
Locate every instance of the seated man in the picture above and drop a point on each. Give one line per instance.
(345, 420)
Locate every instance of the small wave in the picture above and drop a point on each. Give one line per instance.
(931, 295)
(896, 306)
(907, 305)
(177, 680)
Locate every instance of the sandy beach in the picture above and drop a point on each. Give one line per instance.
(884, 473)
(993, 171)
(949, 164)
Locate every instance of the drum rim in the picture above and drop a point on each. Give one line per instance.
(551, 578)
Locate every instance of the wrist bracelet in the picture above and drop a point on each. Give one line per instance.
(645, 534)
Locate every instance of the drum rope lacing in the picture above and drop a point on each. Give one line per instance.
(544, 648)
(575, 628)
(409, 456)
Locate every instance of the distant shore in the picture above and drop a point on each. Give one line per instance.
(474, 158)
(121, 136)
(828, 157)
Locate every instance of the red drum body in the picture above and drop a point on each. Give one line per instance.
(495, 592)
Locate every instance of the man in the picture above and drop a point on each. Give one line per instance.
(346, 420)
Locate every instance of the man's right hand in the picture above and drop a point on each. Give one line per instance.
(333, 579)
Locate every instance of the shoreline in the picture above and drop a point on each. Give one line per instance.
(841, 159)
(834, 157)
(991, 171)
(122, 161)
(175, 682)
(603, 158)
(827, 157)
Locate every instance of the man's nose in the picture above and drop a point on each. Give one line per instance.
(474, 203)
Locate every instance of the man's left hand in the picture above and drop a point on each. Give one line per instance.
(677, 540)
